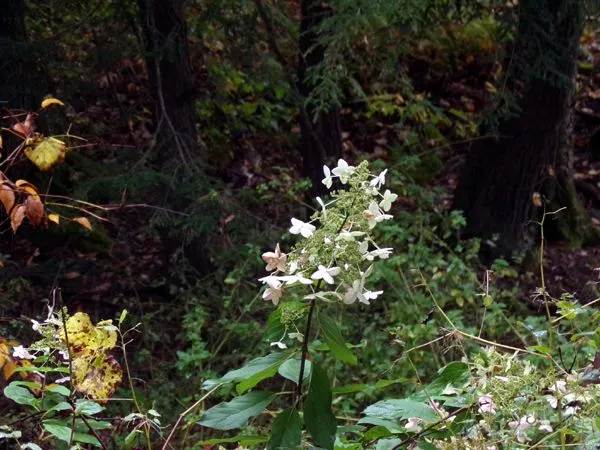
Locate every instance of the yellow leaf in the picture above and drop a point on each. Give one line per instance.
(54, 218)
(46, 153)
(85, 338)
(84, 222)
(51, 101)
(97, 376)
(490, 87)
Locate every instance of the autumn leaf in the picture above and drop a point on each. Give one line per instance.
(51, 101)
(27, 127)
(28, 188)
(34, 210)
(97, 377)
(16, 217)
(7, 197)
(54, 218)
(95, 372)
(46, 152)
(86, 339)
(84, 222)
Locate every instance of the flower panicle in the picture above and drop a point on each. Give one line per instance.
(336, 248)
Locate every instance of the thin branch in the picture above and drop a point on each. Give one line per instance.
(186, 412)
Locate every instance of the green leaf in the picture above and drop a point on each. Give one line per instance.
(390, 425)
(291, 369)
(400, 409)
(240, 439)
(87, 407)
(61, 406)
(335, 341)
(350, 388)
(387, 444)
(253, 372)
(456, 374)
(540, 349)
(318, 417)
(20, 395)
(62, 432)
(235, 414)
(61, 390)
(286, 432)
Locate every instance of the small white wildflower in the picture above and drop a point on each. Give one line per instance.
(383, 253)
(63, 380)
(303, 228)
(326, 274)
(275, 260)
(349, 235)
(343, 171)
(501, 378)
(327, 181)
(35, 325)
(64, 354)
(545, 426)
(413, 424)
(571, 410)
(388, 199)
(379, 180)
(22, 353)
(327, 241)
(273, 294)
(322, 205)
(558, 386)
(280, 345)
(553, 401)
(486, 404)
(521, 426)
(367, 296)
(374, 215)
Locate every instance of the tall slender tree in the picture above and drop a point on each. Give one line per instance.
(498, 190)
(171, 78)
(320, 130)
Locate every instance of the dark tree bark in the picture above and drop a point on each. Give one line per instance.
(20, 81)
(171, 79)
(533, 153)
(320, 136)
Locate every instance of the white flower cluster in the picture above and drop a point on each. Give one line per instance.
(335, 256)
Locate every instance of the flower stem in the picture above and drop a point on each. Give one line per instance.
(311, 308)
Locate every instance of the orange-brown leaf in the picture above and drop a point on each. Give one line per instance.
(28, 188)
(17, 216)
(7, 197)
(35, 211)
(84, 222)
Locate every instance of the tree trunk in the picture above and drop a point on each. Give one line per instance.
(171, 79)
(533, 154)
(20, 84)
(320, 135)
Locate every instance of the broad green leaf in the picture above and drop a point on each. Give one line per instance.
(241, 439)
(387, 444)
(20, 395)
(62, 432)
(290, 369)
(456, 374)
(375, 433)
(350, 389)
(235, 414)
(58, 389)
(335, 341)
(286, 432)
(400, 409)
(390, 425)
(62, 406)
(42, 369)
(253, 372)
(87, 407)
(318, 417)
